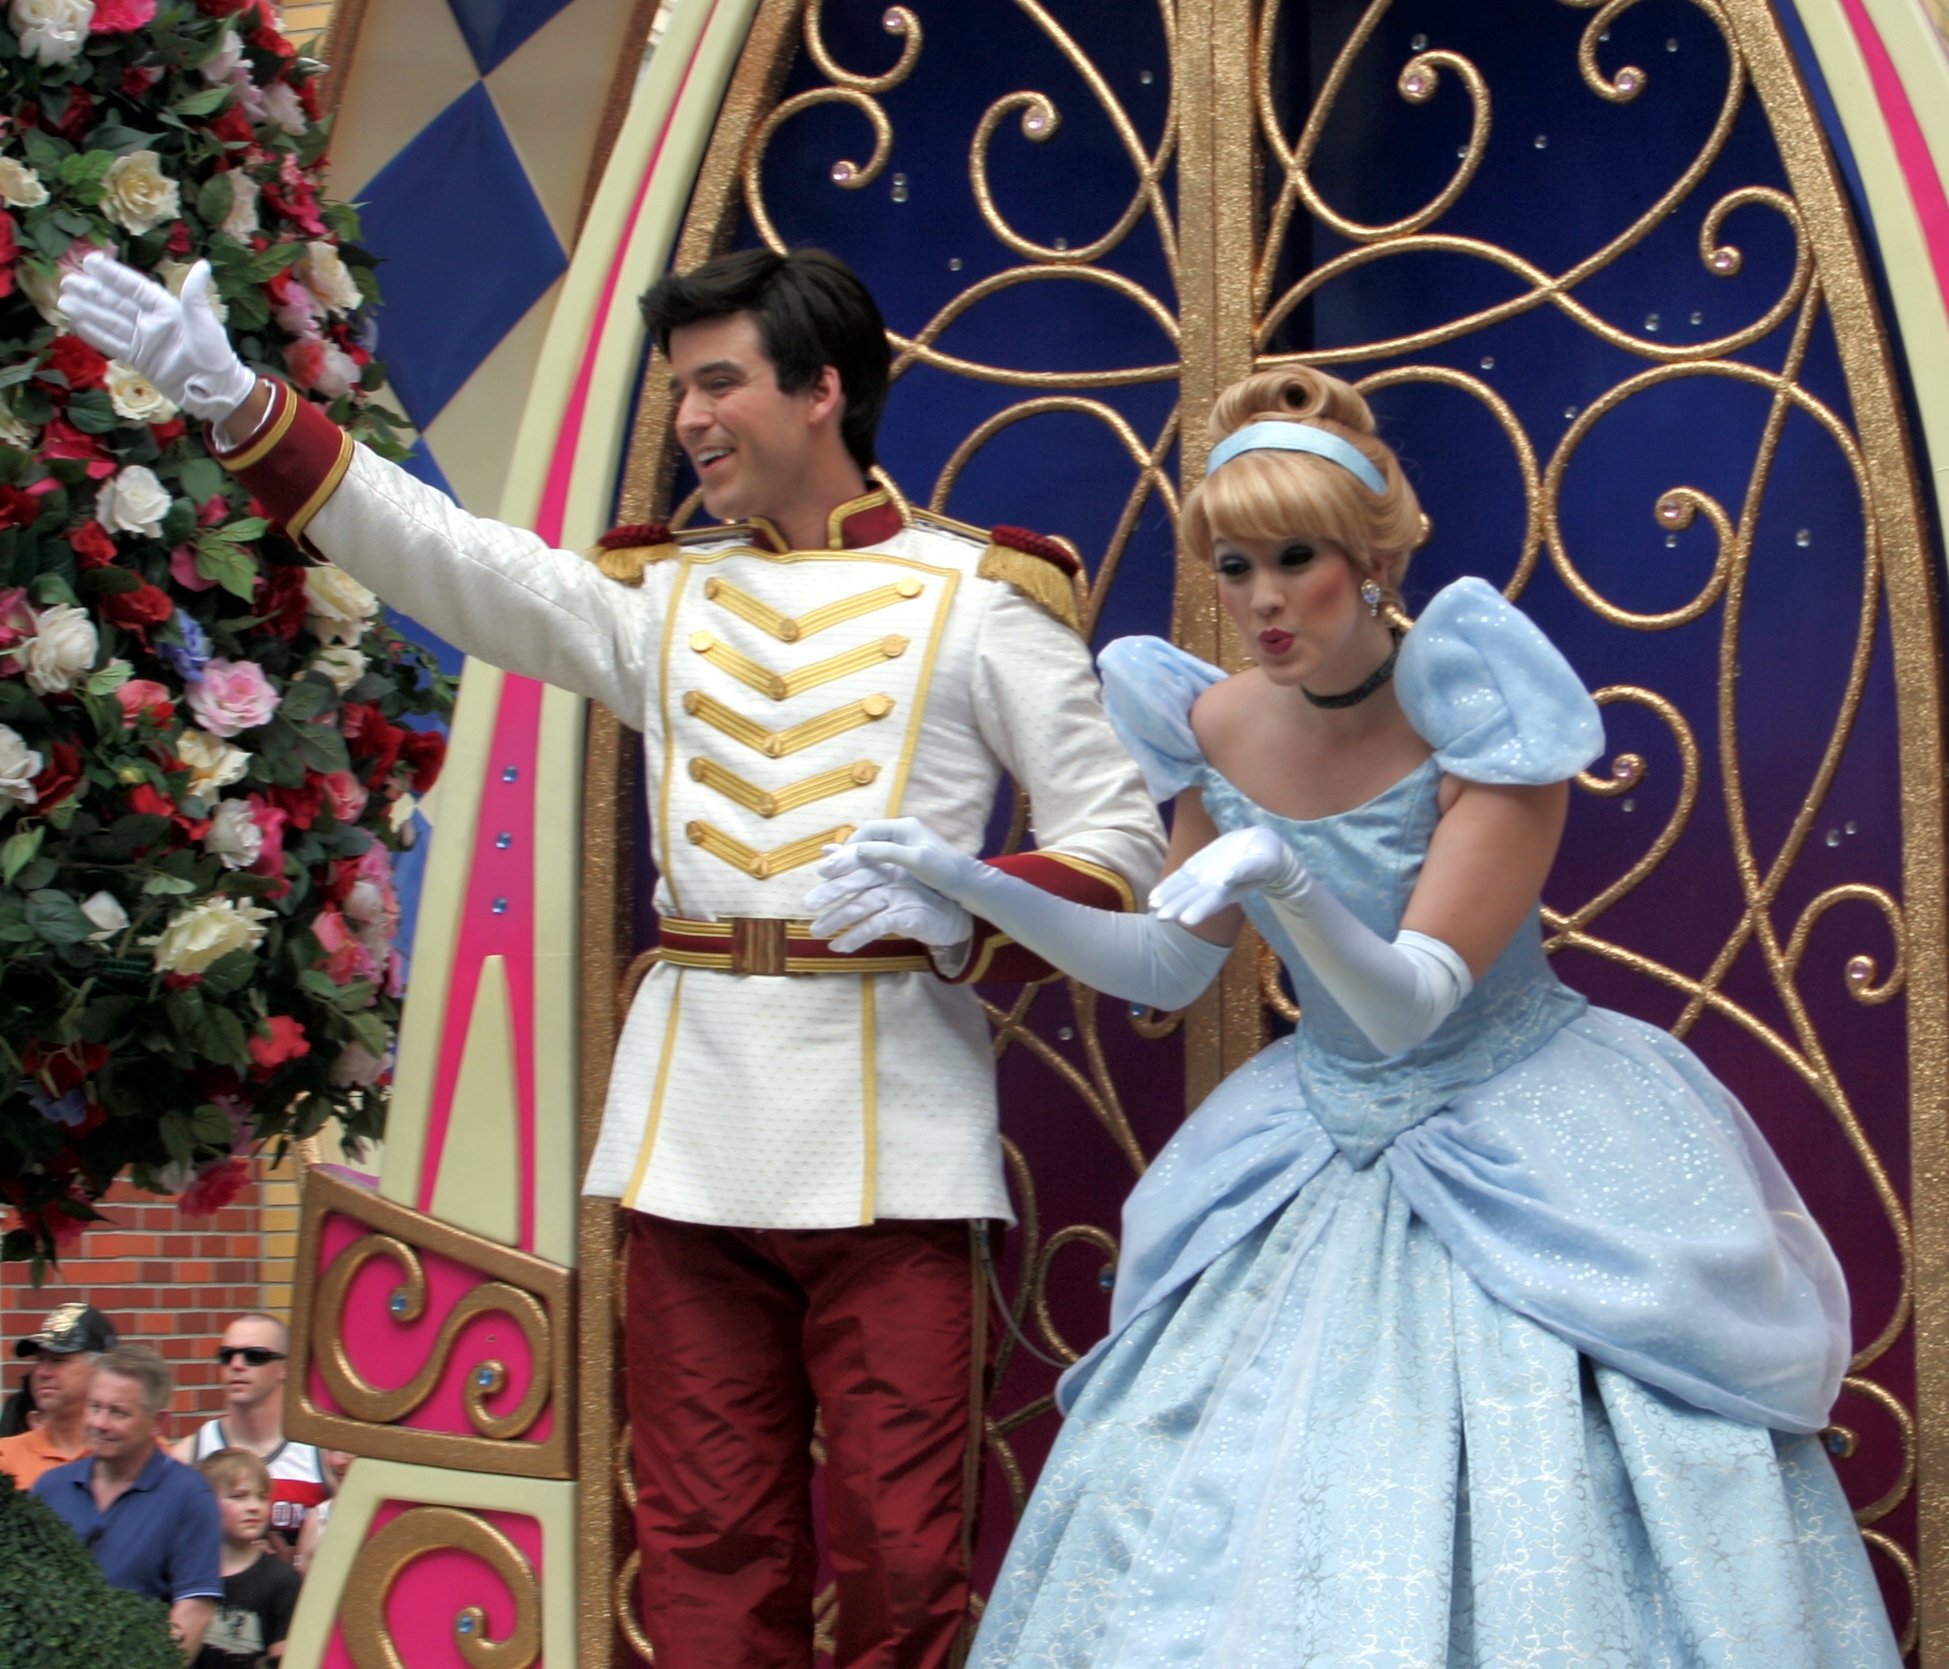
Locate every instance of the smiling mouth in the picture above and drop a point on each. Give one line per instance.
(709, 460)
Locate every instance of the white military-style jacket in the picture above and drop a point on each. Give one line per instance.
(785, 697)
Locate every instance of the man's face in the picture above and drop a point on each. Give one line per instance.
(244, 1509)
(243, 1385)
(120, 1427)
(751, 444)
(61, 1381)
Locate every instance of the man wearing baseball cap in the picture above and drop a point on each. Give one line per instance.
(64, 1352)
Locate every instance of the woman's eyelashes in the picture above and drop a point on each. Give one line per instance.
(1295, 556)
(1233, 566)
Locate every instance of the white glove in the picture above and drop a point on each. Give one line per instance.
(1138, 958)
(1398, 994)
(179, 345)
(865, 901)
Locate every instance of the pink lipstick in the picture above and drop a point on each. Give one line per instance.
(1275, 642)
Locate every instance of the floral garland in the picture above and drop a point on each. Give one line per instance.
(203, 774)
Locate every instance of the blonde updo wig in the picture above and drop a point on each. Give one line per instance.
(1272, 494)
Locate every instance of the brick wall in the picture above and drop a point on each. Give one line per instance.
(171, 1281)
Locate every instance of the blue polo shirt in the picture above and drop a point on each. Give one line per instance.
(160, 1537)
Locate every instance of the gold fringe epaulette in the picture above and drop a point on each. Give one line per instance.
(1042, 569)
(624, 552)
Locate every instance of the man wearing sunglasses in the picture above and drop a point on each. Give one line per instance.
(253, 1356)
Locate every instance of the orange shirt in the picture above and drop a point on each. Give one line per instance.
(30, 1454)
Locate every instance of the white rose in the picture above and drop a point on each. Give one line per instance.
(206, 932)
(105, 910)
(19, 765)
(20, 185)
(13, 432)
(62, 649)
(132, 501)
(343, 666)
(234, 835)
(241, 219)
(337, 607)
(54, 31)
(357, 1067)
(172, 274)
(326, 277)
(213, 764)
(136, 194)
(281, 106)
(135, 397)
(227, 61)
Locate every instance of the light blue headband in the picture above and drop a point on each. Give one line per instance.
(1277, 435)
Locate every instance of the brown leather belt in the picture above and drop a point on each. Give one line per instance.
(770, 945)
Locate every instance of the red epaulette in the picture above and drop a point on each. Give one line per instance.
(624, 552)
(1037, 544)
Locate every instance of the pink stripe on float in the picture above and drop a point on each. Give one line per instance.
(1925, 188)
(502, 875)
(554, 496)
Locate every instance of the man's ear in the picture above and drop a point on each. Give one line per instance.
(826, 398)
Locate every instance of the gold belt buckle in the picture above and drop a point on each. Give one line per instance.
(757, 945)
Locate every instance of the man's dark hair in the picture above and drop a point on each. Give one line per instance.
(812, 311)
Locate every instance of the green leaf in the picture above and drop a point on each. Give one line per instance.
(121, 140)
(206, 103)
(371, 1032)
(107, 582)
(223, 1039)
(231, 973)
(307, 698)
(57, 918)
(212, 1125)
(323, 748)
(20, 709)
(233, 568)
(37, 874)
(177, 1135)
(110, 678)
(161, 883)
(48, 589)
(44, 150)
(21, 846)
(92, 412)
(243, 529)
(202, 478)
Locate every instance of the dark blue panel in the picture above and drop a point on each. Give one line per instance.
(467, 251)
(494, 28)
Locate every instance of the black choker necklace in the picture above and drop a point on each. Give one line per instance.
(1361, 691)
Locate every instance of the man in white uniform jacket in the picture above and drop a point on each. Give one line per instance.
(803, 1139)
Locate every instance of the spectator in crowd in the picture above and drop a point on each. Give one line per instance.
(259, 1593)
(337, 1463)
(151, 1523)
(65, 1351)
(253, 1355)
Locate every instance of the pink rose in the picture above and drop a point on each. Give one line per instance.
(121, 17)
(16, 621)
(346, 795)
(346, 959)
(140, 695)
(182, 569)
(233, 696)
(322, 368)
(270, 820)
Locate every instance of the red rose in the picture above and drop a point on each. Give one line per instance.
(122, 17)
(9, 252)
(63, 1065)
(78, 118)
(423, 752)
(232, 127)
(281, 600)
(308, 97)
(287, 1042)
(223, 8)
(178, 244)
(369, 736)
(61, 439)
(216, 1185)
(136, 611)
(18, 508)
(77, 362)
(145, 801)
(266, 39)
(93, 545)
(137, 81)
(300, 805)
(58, 780)
(164, 433)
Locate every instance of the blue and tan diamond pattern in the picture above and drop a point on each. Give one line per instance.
(466, 131)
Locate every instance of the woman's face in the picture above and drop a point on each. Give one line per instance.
(1296, 604)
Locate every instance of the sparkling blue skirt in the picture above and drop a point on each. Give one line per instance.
(1334, 1446)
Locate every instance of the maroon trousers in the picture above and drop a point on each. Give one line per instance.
(736, 1339)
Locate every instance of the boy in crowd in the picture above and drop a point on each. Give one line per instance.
(259, 1593)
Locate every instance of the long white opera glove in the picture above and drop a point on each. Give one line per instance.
(1138, 958)
(1398, 994)
(179, 345)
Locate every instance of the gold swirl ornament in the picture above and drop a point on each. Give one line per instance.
(363, 1401)
(412, 1535)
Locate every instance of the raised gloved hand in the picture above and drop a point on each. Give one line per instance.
(179, 345)
(1230, 869)
(862, 901)
(1136, 957)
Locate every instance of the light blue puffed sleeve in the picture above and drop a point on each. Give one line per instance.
(1491, 694)
(1148, 689)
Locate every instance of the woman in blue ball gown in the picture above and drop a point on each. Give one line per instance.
(1470, 1325)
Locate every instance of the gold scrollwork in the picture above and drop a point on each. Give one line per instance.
(412, 1535)
(535, 1296)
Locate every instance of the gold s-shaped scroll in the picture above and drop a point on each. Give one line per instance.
(412, 1535)
(484, 1379)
